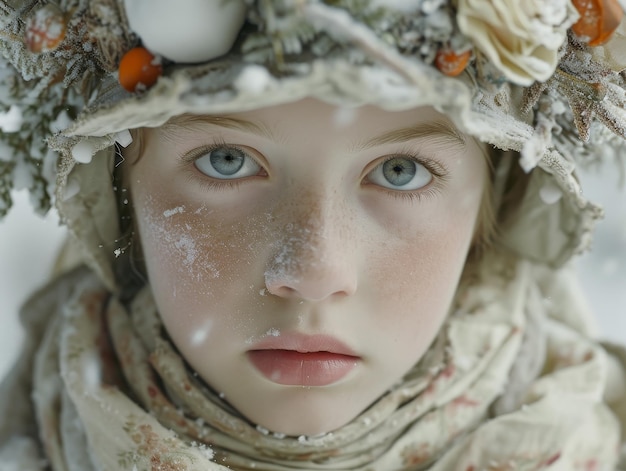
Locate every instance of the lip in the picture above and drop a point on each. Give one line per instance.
(303, 360)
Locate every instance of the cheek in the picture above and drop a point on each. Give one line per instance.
(415, 272)
(415, 288)
(200, 268)
(174, 249)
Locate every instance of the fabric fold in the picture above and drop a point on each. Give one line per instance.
(445, 415)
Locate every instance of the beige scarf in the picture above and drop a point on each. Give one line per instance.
(502, 388)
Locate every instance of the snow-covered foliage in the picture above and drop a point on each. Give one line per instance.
(28, 116)
(42, 92)
(577, 112)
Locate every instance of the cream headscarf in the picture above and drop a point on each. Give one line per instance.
(504, 387)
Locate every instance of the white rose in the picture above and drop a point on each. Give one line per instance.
(520, 37)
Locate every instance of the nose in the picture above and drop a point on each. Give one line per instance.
(313, 259)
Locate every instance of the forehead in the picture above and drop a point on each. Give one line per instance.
(307, 120)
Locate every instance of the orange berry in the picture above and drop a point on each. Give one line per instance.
(452, 63)
(139, 68)
(598, 19)
(45, 29)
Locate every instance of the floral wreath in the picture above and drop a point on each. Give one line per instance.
(565, 58)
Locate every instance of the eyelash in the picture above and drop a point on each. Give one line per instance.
(416, 195)
(208, 183)
(437, 169)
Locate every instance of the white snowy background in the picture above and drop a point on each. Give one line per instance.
(28, 244)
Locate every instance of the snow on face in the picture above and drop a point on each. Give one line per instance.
(176, 238)
(310, 238)
(344, 116)
(201, 333)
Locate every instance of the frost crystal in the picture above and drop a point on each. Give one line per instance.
(206, 451)
(550, 193)
(187, 246)
(92, 372)
(253, 79)
(124, 138)
(82, 152)
(345, 116)
(11, 121)
(262, 430)
(273, 333)
(200, 334)
(171, 212)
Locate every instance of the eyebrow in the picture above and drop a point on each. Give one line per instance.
(438, 132)
(186, 120)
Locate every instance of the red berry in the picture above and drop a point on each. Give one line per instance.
(452, 63)
(598, 19)
(139, 68)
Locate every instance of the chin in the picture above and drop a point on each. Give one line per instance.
(306, 411)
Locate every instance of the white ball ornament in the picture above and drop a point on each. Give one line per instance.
(186, 31)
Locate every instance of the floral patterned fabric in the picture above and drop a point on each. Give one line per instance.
(507, 385)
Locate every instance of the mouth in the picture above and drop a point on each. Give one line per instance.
(303, 360)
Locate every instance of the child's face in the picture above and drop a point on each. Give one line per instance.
(299, 271)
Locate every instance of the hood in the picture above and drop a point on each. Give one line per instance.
(550, 92)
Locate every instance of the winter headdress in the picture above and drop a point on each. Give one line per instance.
(505, 385)
(539, 77)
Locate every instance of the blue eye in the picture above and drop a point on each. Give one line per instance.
(227, 163)
(400, 173)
